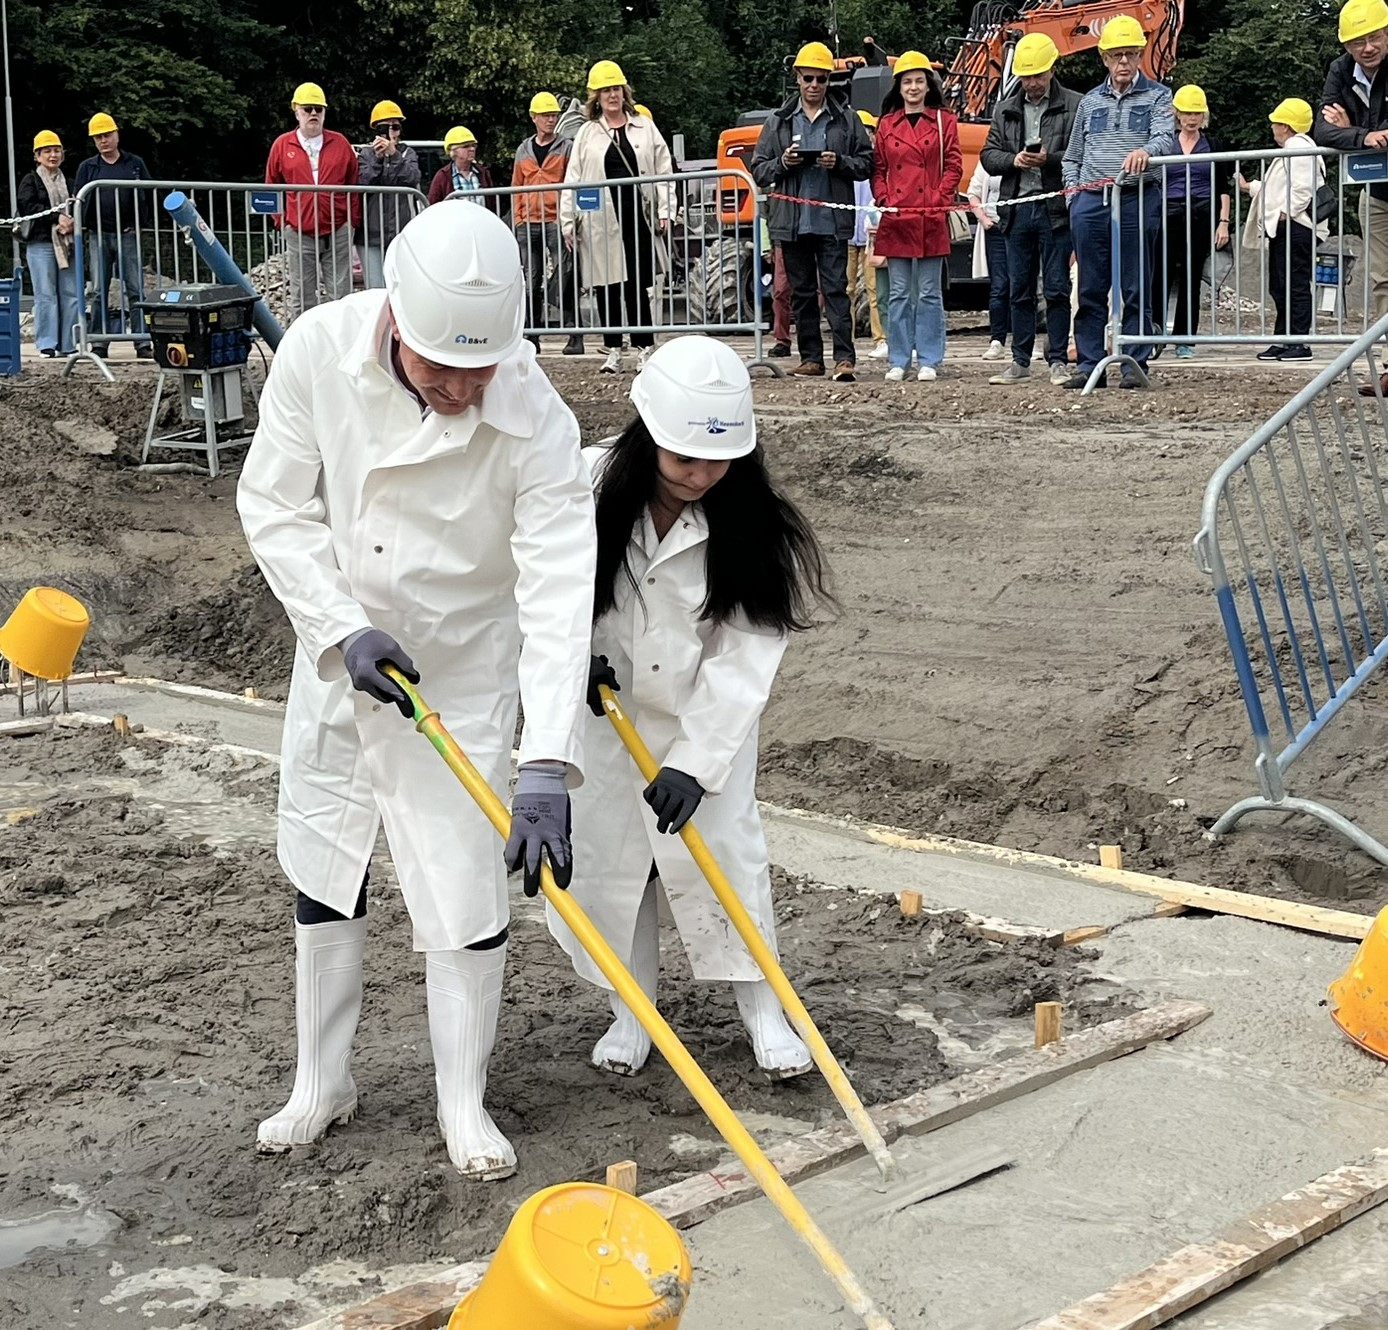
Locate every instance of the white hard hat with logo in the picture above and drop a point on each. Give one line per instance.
(695, 397)
(455, 284)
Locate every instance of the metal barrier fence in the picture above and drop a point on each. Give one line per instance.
(1174, 281)
(637, 256)
(1292, 538)
(297, 243)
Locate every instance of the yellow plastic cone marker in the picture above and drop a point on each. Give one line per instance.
(43, 634)
(1359, 998)
(760, 952)
(662, 1036)
(581, 1257)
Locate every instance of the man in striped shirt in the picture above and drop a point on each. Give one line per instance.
(1122, 123)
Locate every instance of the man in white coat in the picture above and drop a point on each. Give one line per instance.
(415, 495)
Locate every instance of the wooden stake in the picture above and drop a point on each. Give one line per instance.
(121, 724)
(911, 902)
(622, 1177)
(252, 694)
(1047, 1023)
(1111, 856)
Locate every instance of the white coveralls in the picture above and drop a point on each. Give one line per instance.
(469, 539)
(695, 691)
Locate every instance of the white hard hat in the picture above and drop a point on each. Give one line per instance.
(456, 289)
(695, 396)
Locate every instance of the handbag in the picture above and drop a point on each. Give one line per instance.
(958, 222)
(1327, 203)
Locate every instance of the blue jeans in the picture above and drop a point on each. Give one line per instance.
(999, 295)
(1033, 247)
(55, 297)
(116, 251)
(916, 312)
(1091, 225)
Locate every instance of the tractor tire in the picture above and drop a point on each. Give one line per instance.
(717, 284)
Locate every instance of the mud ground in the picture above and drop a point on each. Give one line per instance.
(148, 1020)
(1025, 653)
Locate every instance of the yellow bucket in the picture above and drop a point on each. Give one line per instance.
(41, 637)
(581, 1257)
(1359, 998)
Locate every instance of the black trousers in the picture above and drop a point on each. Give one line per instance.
(627, 303)
(1293, 301)
(1184, 269)
(816, 264)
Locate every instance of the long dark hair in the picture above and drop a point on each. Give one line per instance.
(761, 559)
(934, 93)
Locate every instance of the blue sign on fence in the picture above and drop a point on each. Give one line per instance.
(1367, 168)
(265, 201)
(588, 200)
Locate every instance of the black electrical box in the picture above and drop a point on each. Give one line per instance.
(201, 326)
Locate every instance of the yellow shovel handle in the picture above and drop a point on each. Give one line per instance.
(723, 1118)
(763, 955)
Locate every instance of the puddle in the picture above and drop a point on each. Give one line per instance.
(81, 1224)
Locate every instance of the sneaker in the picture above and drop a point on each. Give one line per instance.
(994, 351)
(49, 351)
(613, 363)
(1296, 353)
(925, 374)
(1131, 379)
(780, 351)
(843, 371)
(574, 346)
(808, 369)
(1185, 353)
(1079, 378)
(895, 375)
(1014, 373)
(879, 352)
(1271, 353)
(1059, 374)
(642, 356)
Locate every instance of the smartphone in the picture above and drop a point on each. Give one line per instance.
(1034, 147)
(811, 156)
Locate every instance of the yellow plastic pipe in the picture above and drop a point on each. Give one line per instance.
(761, 953)
(698, 1084)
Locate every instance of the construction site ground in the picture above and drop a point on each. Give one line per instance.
(1024, 655)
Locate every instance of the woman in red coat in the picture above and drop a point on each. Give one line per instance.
(917, 167)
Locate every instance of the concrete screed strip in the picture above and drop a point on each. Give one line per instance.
(1198, 1271)
(427, 1305)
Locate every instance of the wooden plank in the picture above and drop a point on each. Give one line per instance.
(426, 1305)
(622, 1176)
(1246, 905)
(1198, 1271)
(1072, 937)
(1111, 856)
(27, 725)
(696, 1198)
(201, 694)
(1047, 1023)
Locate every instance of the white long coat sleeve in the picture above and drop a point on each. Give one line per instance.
(469, 539)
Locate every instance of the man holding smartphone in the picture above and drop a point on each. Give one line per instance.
(810, 153)
(1025, 144)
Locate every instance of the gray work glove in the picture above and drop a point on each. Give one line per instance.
(540, 820)
(364, 652)
(674, 796)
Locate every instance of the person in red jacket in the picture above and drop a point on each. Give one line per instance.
(917, 167)
(317, 226)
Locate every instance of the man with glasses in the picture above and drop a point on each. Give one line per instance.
(810, 153)
(1119, 126)
(317, 226)
(385, 161)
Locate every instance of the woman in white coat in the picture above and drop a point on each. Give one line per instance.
(704, 569)
(621, 243)
(415, 494)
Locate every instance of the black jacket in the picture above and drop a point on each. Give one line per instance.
(846, 137)
(1005, 140)
(121, 209)
(32, 197)
(1339, 88)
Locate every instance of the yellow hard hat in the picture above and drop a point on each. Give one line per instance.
(457, 136)
(1123, 33)
(1191, 98)
(308, 94)
(386, 110)
(46, 138)
(1294, 113)
(868, 119)
(1035, 54)
(101, 123)
(1359, 998)
(1361, 17)
(606, 74)
(908, 61)
(814, 55)
(644, 110)
(544, 103)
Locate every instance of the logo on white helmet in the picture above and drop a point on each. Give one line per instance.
(462, 339)
(713, 425)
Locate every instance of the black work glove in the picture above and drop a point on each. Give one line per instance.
(540, 820)
(364, 652)
(674, 796)
(599, 671)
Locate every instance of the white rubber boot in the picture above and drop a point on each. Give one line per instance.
(780, 1052)
(623, 1050)
(464, 990)
(327, 1004)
